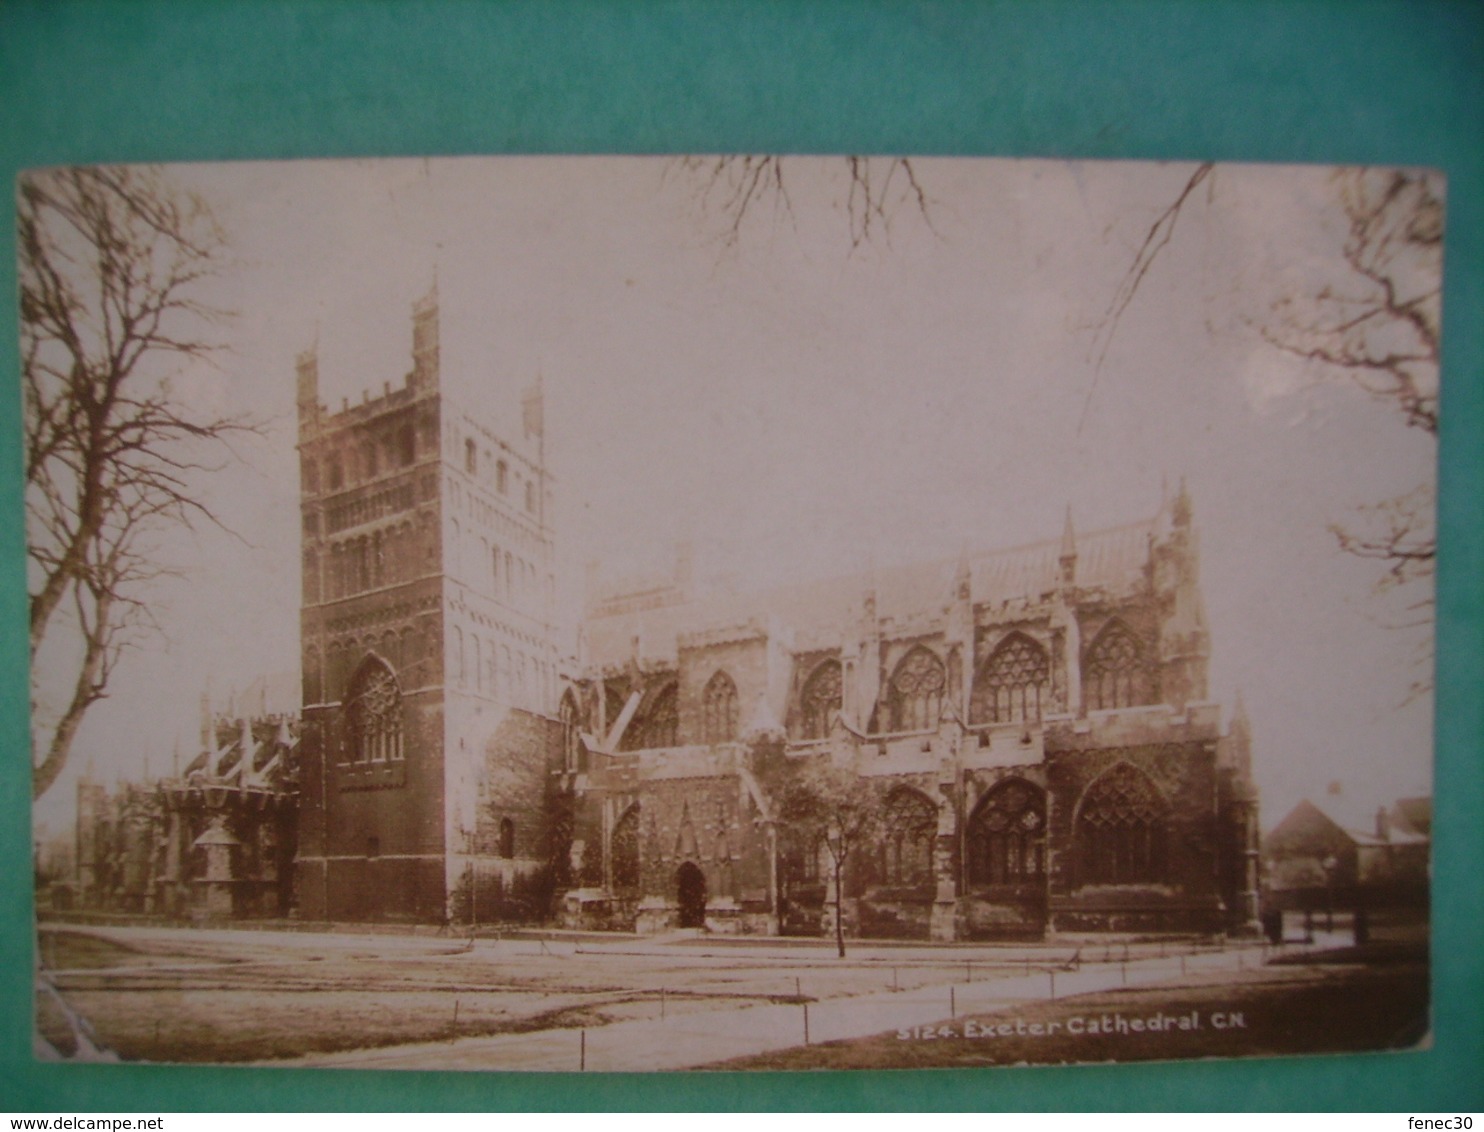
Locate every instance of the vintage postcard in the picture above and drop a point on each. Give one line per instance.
(729, 612)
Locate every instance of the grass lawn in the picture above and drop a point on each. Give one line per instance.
(1345, 1002)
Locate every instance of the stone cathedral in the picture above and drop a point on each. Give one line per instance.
(1032, 723)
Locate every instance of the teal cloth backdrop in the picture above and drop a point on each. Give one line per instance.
(1235, 80)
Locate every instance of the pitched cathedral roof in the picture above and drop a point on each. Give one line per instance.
(1113, 559)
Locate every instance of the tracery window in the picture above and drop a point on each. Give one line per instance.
(661, 726)
(571, 742)
(1007, 836)
(1122, 830)
(910, 831)
(821, 699)
(625, 849)
(719, 710)
(1012, 684)
(374, 713)
(917, 691)
(471, 457)
(502, 476)
(1115, 675)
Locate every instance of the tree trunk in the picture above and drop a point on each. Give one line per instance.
(86, 692)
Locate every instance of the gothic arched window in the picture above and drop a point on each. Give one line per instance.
(311, 577)
(571, 742)
(507, 838)
(719, 710)
(1007, 836)
(1012, 684)
(625, 849)
(910, 829)
(661, 725)
(821, 700)
(373, 709)
(1122, 830)
(1115, 675)
(917, 691)
(313, 678)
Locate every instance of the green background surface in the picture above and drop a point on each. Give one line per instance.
(1322, 81)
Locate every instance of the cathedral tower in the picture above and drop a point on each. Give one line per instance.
(426, 633)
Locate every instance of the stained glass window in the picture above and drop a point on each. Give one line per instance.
(1012, 684)
(917, 691)
(1115, 675)
(374, 713)
(719, 710)
(821, 699)
(1007, 836)
(910, 830)
(1122, 829)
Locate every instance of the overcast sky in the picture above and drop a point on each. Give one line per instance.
(797, 407)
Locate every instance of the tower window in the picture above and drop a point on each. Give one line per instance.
(502, 477)
(471, 457)
(507, 838)
(374, 713)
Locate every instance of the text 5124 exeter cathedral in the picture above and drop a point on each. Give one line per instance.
(1030, 726)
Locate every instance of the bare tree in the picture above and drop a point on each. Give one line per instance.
(1380, 323)
(830, 806)
(738, 187)
(1380, 326)
(111, 266)
(1377, 323)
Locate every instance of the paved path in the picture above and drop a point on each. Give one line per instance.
(689, 1040)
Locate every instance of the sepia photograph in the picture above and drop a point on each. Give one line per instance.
(622, 614)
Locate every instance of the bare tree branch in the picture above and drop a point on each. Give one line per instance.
(1156, 239)
(111, 263)
(1381, 325)
(736, 188)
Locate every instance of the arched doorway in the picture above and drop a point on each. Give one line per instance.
(690, 885)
